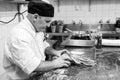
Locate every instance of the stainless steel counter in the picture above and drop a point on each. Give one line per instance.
(103, 70)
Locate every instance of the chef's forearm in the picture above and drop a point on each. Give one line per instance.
(46, 66)
(50, 50)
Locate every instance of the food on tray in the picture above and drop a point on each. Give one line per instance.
(80, 57)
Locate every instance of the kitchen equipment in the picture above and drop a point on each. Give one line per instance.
(53, 29)
(61, 28)
(82, 43)
(111, 42)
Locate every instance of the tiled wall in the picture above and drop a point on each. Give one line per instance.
(81, 9)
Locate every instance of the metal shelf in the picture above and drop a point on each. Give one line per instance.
(15, 2)
(59, 34)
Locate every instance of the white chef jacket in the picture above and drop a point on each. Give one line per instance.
(24, 50)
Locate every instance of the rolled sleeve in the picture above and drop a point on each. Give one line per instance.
(24, 56)
(32, 65)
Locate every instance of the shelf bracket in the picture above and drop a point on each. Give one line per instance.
(18, 10)
(90, 5)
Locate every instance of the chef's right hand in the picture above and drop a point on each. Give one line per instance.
(61, 62)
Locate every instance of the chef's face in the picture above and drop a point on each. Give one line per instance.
(41, 22)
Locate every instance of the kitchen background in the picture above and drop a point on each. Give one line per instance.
(88, 11)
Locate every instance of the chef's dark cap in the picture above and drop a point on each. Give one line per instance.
(41, 8)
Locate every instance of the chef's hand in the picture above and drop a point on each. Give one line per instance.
(61, 62)
(66, 55)
(60, 52)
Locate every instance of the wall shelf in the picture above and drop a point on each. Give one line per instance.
(59, 34)
(83, 32)
(15, 2)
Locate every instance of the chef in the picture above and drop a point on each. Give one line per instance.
(26, 46)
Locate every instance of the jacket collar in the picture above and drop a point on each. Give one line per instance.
(29, 27)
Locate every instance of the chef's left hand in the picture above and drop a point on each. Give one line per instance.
(64, 54)
(60, 52)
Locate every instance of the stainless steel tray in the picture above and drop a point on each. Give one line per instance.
(72, 42)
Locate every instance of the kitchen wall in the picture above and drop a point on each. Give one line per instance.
(88, 12)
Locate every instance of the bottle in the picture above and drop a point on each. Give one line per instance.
(99, 41)
(99, 38)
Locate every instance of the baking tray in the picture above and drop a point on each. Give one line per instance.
(72, 42)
